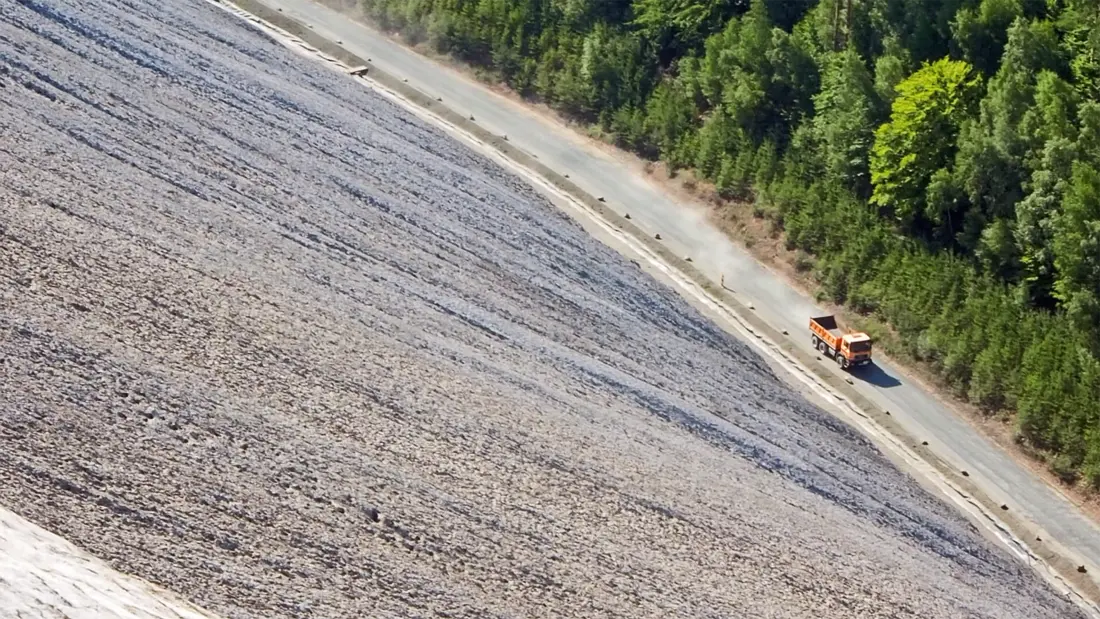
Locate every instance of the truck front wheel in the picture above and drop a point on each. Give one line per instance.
(842, 361)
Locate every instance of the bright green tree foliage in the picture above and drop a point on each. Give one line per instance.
(919, 139)
(1077, 246)
(1080, 21)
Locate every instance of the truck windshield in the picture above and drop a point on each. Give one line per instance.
(859, 346)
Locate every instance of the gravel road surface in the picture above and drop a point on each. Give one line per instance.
(687, 232)
(271, 342)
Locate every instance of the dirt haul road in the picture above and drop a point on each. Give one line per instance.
(272, 342)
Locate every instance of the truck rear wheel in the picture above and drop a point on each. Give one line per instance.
(816, 341)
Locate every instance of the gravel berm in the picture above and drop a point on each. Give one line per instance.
(270, 341)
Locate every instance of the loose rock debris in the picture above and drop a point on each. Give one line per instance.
(338, 365)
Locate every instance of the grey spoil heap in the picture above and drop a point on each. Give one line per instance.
(275, 344)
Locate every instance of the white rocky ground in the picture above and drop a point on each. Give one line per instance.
(43, 575)
(271, 342)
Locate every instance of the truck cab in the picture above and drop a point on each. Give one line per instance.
(856, 347)
(849, 349)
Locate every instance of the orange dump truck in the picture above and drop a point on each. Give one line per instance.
(849, 349)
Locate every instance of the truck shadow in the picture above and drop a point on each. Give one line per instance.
(876, 376)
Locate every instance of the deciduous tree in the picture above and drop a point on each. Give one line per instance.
(920, 138)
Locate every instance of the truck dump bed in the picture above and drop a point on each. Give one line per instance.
(829, 324)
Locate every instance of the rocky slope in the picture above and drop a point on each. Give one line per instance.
(272, 342)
